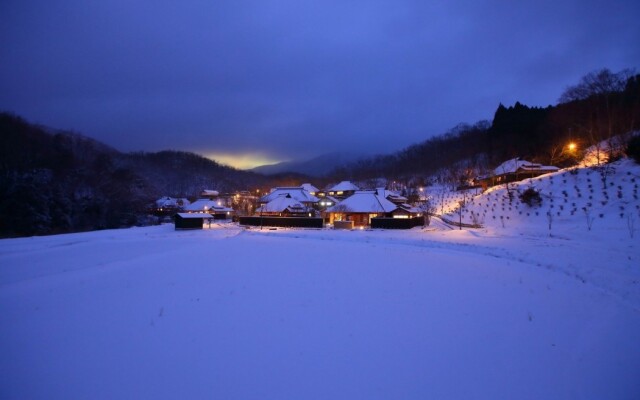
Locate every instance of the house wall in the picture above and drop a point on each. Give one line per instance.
(359, 219)
(397, 223)
(288, 222)
(188, 223)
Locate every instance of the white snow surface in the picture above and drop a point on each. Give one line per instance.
(503, 312)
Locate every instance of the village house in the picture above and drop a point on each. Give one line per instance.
(326, 202)
(512, 171)
(342, 190)
(295, 192)
(191, 220)
(169, 205)
(212, 207)
(361, 207)
(405, 210)
(285, 206)
(310, 188)
(392, 196)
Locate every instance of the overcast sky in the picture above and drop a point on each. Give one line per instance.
(265, 80)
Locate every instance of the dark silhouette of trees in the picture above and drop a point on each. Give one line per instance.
(55, 182)
(600, 106)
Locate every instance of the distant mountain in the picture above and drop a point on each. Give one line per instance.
(316, 167)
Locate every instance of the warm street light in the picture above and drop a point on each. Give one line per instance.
(572, 146)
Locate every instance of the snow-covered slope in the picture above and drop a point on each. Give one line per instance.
(230, 313)
(604, 199)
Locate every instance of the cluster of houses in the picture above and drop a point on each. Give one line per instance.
(344, 205)
(342, 202)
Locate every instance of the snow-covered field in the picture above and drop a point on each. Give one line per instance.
(229, 313)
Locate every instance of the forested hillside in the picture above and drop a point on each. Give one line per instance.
(54, 182)
(600, 106)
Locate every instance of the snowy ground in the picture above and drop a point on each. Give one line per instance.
(229, 313)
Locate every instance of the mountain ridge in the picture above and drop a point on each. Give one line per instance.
(315, 167)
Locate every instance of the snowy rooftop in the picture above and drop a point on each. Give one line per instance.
(409, 208)
(203, 205)
(365, 202)
(282, 203)
(515, 164)
(194, 215)
(297, 193)
(343, 187)
(391, 195)
(309, 188)
(170, 202)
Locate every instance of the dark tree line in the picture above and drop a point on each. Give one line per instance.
(56, 182)
(53, 181)
(599, 107)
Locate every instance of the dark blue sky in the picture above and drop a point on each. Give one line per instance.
(275, 80)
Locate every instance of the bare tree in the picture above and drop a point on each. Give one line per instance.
(631, 224)
(590, 218)
(600, 87)
(602, 82)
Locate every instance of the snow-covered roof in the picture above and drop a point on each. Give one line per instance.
(391, 195)
(282, 203)
(515, 164)
(510, 166)
(297, 193)
(171, 202)
(208, 192)
(201, 205)
(343, 187)
(309, 188)
(366, 201)
(194, 215)
(329, 201)
(409, 208)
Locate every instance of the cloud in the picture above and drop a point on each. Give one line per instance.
(295, 79)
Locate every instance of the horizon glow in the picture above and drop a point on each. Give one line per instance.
(243, 161)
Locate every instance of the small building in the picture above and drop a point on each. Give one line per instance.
(212, 207)
(342, 190)
(512, 171)
(169, 205)
(295, 192)
(406, 211)
(392, 196)
(361, 207)
(310, 188)
(284, 206)
(191, 220)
